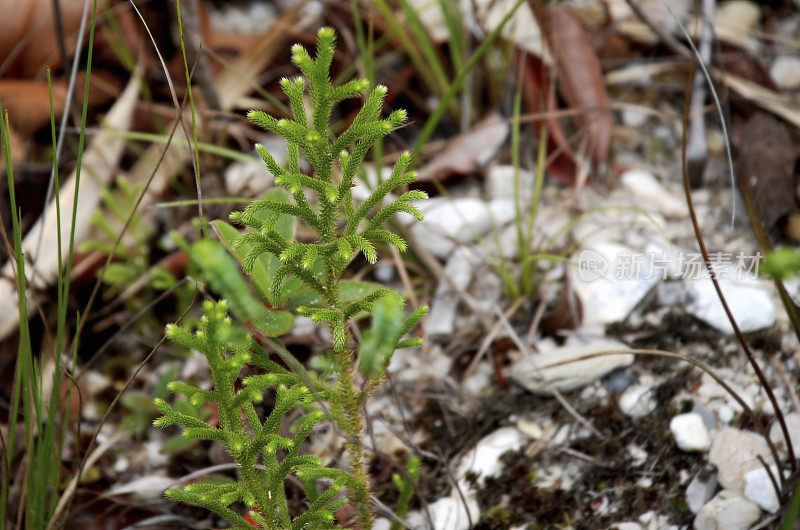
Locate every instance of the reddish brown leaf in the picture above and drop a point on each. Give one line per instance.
(579, 74)
(468, 152)
(766, 167)
(538, 99)
(29, 25)
(28, 102)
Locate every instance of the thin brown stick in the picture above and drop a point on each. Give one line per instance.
(737, 331)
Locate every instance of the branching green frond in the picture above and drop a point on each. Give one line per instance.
(211, 505)
(399, 177)
(414, 319)
(295, 183)
(361, 243)
(385, 235)
(394, 208)
(294, 89)
(316, 287)
(205, 433)
(171, 417)
(264, 381)
(343, 249)
(321, 510)
(367, 303)
(351, 89)
(316, 473)
(308, 424)
(279, 207)
(277, 281)
(318, 314)
(263, 119)
(268, 159)
(197, 396)
(410, 343)
(310, 257)
(294, 163)
(303, 60)
(292, 252)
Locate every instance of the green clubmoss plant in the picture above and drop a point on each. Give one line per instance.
(305, 278)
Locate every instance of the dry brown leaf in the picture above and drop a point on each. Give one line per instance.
(765, 98)
(468, 152)
(29, 23)
(28, 101)
(233, 83)
(579, 75)
(99, 163)
(539, 99)
(770, 179)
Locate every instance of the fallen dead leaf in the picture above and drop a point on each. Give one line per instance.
(770, 179)
(468, 152)
(28, 101)
(580, 79)
(29, 23)
(539, 100)
(99, 163)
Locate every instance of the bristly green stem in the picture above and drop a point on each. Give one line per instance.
(342, 231)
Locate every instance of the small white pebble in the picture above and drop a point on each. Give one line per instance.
(690, 432)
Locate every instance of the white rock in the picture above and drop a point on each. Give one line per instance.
(385, 272)
(690, 432)
(459, 269)
(759, 489)
(727, 511)
(609, 282)
(627, 526)
(412, 367)
(648, 193)
(449, 221)
(637, 401)
(785, 72)
(793, 424)
(750, 304)
(121, 465)
(725, 413)
(381, 523)
(530, 428)
(481, 381)
(633, 117)
(500, 183)
(450, 513)
(638, 454)
(155, 457)
(571, 375)
(484, 459)
(735, 453)
(249, 18)
(149, 487)
(701, 488)
(734, 22)
(247, 177)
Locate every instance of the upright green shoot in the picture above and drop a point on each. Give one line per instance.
(311, 272)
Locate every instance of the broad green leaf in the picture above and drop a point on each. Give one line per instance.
(277, 323)
(349, 292)
(381, 338)
(782, 263)
(226, 278)
(259, 274)
(265, 266)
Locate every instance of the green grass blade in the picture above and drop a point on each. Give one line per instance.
(458, 82)
(195, 152)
